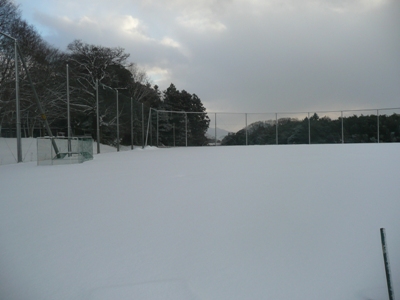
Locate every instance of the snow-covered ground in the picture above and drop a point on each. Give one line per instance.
(262, 222)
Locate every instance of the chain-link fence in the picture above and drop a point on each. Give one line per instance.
(136, 125)
(168, 128)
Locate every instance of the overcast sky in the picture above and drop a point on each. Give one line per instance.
(245, 55)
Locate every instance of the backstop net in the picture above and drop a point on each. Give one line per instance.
(60, 150)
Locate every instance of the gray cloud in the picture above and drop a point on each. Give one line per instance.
(248, 55)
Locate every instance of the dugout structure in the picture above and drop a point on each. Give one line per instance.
(70, 150)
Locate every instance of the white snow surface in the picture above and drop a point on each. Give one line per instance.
(260, 222)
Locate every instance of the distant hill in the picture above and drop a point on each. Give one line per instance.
(221, 133)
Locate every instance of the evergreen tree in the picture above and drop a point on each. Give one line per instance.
(192, 123)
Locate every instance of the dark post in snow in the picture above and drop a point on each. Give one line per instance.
(387, 267)
(131, 123)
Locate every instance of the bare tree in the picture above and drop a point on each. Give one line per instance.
(42, 62)
(91, 63)
(140, 88)
(9, 14)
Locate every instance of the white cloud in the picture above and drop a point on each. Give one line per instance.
(201, 24)
(170, 42)
(347, 6)
(260, 7)
(197, 16)
(129, 26)
(158, 75)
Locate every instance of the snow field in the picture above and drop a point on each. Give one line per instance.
(261, 222)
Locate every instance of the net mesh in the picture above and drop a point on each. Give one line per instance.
(59, 151)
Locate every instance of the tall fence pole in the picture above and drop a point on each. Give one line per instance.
(17, 106)
(157, 129)
(309, 129)
(341, 113)
(387, 266)
(131, 123)
(142, 126)
(148, 126)
(215, 121)
(186, 129)
(276, 125)
(151, 131)
(246, 127)
(377, 124)
(97, 117)
(173, 132)
(68, 115)
(117, 122)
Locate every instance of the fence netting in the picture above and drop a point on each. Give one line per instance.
(137, 125)
(331, 127)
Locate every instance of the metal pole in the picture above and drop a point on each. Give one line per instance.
(186, 128)
(52, 161)
(309, 129)
(216, 129)
(157, 128)
(342, 127)
(17, 106)
(276, 122)
(246, 128)
(68, 115)
(142, 126)
(131, 123)
(387, 266)
(151, 132)
(173, 130)
(97, 117)
(148, 125)
(117, 123)
(377, 124)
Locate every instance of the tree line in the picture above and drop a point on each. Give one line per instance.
(87, 65)
(356, 129)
